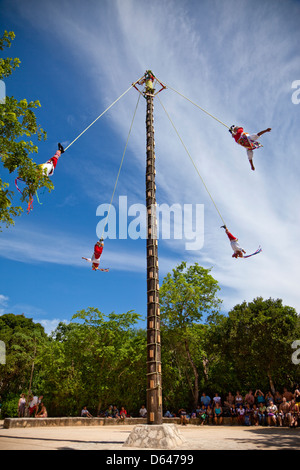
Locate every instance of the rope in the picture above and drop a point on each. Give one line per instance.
(100, 115)
(193, 163)
(195, 104)
(120, 165)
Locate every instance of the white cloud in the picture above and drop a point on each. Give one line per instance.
(238, 64)
(3, 303)
(50, 325)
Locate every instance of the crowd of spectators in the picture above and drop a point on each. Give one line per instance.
(31, 406)
(265, 409)
(258, 408)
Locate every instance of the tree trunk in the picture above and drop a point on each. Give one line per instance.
(272, 386)
(196, 375)
(30, 382)
(205, 362)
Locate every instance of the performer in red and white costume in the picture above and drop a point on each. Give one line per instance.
(95, 260)
(248, 141)
(238, 251)
(49, 166)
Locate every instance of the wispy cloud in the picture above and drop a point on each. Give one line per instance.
(3, 303)
(239, 65)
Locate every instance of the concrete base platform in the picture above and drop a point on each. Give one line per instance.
(112, 438)
(155, 436)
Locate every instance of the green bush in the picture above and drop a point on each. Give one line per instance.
(9, 407)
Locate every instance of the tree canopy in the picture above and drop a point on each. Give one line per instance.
(18, 125)
(100, 359)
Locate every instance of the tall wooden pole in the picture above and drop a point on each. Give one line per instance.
(154, 385)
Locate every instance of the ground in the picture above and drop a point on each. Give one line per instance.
(111, 438)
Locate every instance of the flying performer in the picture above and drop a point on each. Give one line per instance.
(250, 142)
(95, 259)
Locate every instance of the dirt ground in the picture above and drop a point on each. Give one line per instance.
(111, 438)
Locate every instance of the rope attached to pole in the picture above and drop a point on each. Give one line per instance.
(120, 166)
(100, 115)
(195, 104)
(192, 162)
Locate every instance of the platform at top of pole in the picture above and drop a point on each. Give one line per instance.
(148, 82)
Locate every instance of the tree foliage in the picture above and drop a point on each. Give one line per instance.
(100, 359)
(186, 295)
(24, 340)
(18, 124)
(255, 340)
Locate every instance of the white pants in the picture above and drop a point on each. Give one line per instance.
(252, 137)
(235, 246)
(49, 167)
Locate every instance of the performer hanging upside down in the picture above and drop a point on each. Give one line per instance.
(95, 260)
(248, 141)
(238, 251)
(48, 167)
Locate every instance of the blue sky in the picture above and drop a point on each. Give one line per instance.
(236, 59)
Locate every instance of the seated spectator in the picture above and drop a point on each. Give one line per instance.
(229, 401)
(43, 412)
(241, 414)
(205, 400)
(184, 418)
(168, 414)
(295, 412)
(202, 415)
(33, 404)
(209, 414)
(255, 418)
(115, 412)
(198, 410)
(85, 413)
(143, 411)
(269, 397)
(272, 413)
(249, 398)
(284, 413)
(260, 398)
(233, 414)
(238, 400)
(248, 415)
(277, 399)
(218, 418)
(123, 413)
(217, 399)
(109, 412)
(262, 418)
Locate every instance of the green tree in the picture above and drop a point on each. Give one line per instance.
(107, 342)
(24, 341)
(185, 296)
(95, 360)
(178, 371)
(254, 343)
(17, 125)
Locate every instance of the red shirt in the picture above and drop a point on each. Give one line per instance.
(238, 134)
(98, 251)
